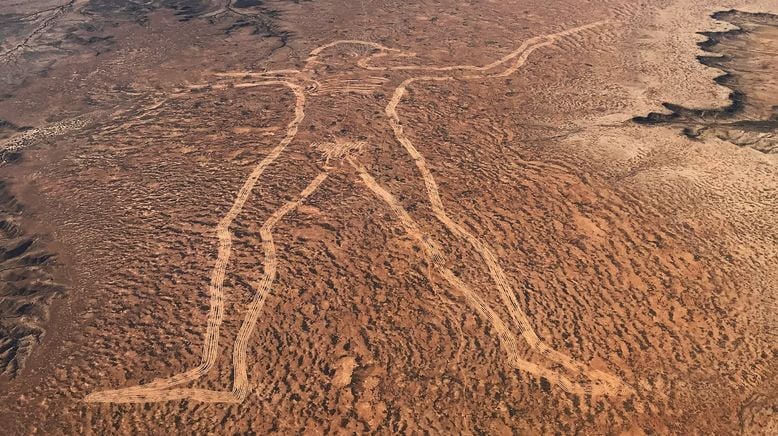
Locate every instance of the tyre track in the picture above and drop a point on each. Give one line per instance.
(241, 385)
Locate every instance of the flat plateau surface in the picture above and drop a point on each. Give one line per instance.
(315, 217)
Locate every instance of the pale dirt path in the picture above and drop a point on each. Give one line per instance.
(158, 390)
(431, 250)
(263, 288)
(522, 52)
(164, 389)
(241, 387)
(602, 382)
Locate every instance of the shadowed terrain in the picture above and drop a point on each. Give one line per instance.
(748, 56)
(27, 286)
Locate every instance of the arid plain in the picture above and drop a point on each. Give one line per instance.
(478, 217)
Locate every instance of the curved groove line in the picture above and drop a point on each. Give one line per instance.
(507, 339)
(606, 383)
(163, 389)
(215, 290)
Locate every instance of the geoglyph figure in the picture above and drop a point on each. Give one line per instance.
(326, 72)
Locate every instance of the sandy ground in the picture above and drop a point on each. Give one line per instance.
(441, 217)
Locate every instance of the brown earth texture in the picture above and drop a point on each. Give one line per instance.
(387, 217)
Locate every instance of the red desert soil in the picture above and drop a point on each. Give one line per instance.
(285, 217)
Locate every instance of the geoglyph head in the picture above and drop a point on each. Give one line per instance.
(348, 55)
